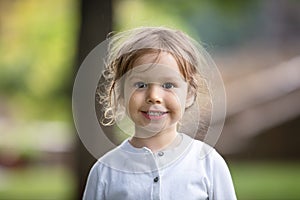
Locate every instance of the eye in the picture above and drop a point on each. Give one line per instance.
(140, 85)
(168, 85)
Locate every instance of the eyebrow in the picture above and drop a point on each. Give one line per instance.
(159, 78)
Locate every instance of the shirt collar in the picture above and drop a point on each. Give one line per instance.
(129, 159)
(184, 141)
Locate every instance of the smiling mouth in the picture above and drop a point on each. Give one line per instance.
(154, 114)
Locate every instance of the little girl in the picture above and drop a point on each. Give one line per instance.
(151, 79)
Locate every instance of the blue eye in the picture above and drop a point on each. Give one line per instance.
(140, 85)
(168, 85)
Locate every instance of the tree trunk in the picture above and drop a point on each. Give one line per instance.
(96, 23)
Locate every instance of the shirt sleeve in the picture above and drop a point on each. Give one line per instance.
(94, 188)
(222, 182)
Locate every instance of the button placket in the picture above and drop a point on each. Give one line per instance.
(156, 178)
(156, 186)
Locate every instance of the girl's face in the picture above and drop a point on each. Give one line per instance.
(155, 94)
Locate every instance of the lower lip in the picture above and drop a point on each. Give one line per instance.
(154, 117)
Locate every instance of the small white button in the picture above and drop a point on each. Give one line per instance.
(160, 153)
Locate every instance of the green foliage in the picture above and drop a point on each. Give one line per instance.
(37, 48)
(147, 13)
(214, 22)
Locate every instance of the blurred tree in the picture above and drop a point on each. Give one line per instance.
(36, 52)
(225, 23)
(96, 23)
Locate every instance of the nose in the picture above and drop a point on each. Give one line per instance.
(154, 95)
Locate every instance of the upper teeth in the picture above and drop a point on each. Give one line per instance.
(155, 113)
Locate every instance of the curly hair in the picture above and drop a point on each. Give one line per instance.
(126, 47)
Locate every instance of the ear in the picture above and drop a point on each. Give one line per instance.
(190, 98)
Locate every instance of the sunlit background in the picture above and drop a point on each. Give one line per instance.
(255, 44)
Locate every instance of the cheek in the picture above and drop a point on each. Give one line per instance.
(178, 99)
(133, 102)
(174, 104)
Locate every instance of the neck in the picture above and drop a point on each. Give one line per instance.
(156, 141)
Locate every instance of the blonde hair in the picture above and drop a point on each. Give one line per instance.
(126, 47)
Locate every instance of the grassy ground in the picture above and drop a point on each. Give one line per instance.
(39, 182)
(253, 180)
(266, 180)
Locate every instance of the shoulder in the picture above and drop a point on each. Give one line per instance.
(203, 150)
(111, 157)
(113, 160)
(207, 154)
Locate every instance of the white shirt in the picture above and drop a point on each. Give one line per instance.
(191, 170)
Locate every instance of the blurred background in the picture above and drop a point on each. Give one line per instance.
(255, 44)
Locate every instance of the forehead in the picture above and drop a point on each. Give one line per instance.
(154, 72)
(162, 58)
